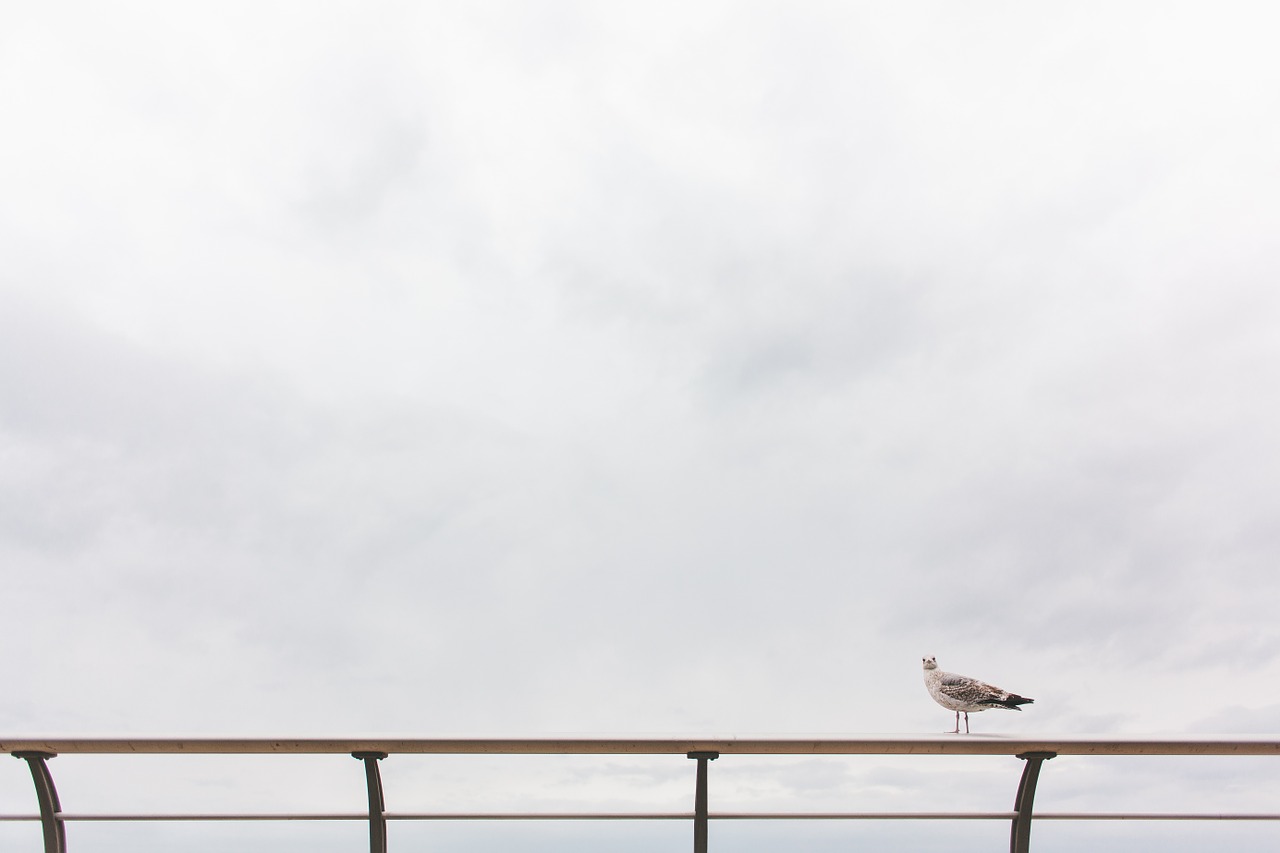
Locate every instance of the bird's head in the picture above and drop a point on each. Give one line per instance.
(930, 662)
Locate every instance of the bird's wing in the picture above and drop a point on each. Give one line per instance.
(964, 689)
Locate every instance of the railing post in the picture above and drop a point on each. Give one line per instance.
(1020, 833)
(700, 801)
(55, 831)
(377, 806)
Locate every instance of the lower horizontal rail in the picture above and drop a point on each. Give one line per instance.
(1151, 816)
(70, 817)
(517, 816)
(144, 818)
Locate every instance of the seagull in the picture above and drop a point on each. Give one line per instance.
(962, 694)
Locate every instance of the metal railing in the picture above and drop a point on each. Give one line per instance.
(1033, 751)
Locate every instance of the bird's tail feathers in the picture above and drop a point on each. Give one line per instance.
(1012, 701)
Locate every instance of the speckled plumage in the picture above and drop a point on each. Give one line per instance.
(963, 695)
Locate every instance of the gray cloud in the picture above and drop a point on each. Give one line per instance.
(487, 369)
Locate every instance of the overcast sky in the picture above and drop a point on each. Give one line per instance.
(526, 368)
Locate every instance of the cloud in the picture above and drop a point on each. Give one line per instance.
(475, 369)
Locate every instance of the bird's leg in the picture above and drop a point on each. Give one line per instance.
(966, 723)
(957, 728)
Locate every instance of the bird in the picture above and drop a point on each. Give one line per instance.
(962, 694)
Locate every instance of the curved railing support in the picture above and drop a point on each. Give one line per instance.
(55, 832)
(1020, 834)
(377, 806)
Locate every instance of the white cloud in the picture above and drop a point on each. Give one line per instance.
(490, 368)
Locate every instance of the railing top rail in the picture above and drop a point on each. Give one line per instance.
(900, 744)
